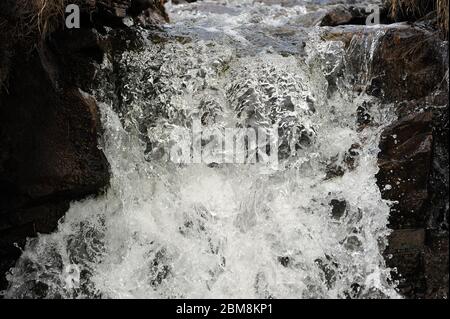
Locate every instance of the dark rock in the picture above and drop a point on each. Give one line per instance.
(438, 201)
(407, 239)
(328, 270)
(335, 168)
(414, 162)
(363, 116)
(405, 162)
(396, 63)
(181, 1)
(409, 63)
(405, 255)
(338, 208)
(421, 261)
(349, 15)
(436, 263)
(337, 16)
(410, 68)
(147, 12)
(285, 261)
(49, 154)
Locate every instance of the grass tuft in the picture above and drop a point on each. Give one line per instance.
(38, 18)
(416, 9)
(442, 13)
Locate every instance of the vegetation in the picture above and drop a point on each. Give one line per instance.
(416, 9)
(442, 12)
(37, 18)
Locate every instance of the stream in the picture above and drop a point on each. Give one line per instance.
(298, 217)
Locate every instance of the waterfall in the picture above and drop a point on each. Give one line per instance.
(314, 226)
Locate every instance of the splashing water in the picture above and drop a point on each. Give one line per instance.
(314, 228)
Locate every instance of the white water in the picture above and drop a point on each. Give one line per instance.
(227, 231)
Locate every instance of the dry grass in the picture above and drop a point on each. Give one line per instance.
(419, 8)
(37, 18)
(27, 22)
(442, 13)
(408, 7)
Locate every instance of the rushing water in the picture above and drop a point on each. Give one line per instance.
(314, 227)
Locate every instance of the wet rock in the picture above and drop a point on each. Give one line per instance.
(337, 16)
(351, 156)
(147, 12)
(4, 62)
(414, 174)
(346, 15)
(410, 68)
(406, 256)
(328, 270)
(116, 8)
(405, 162)
(396, 63)
(363, 116)
(353, 243)
(285, 261)
(49, 153)
(334, 170)
(338, 208)
(337, 168)
(436, 263)
(438, 200)
(181, 1)
(409, 63)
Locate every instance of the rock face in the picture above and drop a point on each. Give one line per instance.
(410, 69)
(49, 127)
(49, 154)
(409, 64)
(406, 146)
